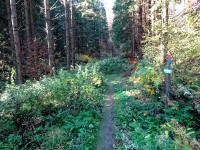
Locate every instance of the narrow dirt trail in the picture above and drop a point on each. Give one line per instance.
(106, 140)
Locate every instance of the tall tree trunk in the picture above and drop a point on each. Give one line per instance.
(16, 40)
(31, 5)
(173, 12)
(72, 32)
(100, 32)
(140, 23)
(173, 6)
(27, 24)
(67, 33)
(153, 17)
(133, 37)
(12, 46)
(167, 14)
(164, 36)
(49, 35)
(149, 24)
(144, 11)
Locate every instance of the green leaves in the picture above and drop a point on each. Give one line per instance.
(113, 65)
(121, 25)
(149, 124)
(76, 132)
(56, 112)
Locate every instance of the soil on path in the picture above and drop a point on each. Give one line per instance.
(106, 140)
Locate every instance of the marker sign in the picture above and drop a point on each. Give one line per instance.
(168, 71)
(169, 57)
(170, 61)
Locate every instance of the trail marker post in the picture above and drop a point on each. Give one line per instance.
(168, 71)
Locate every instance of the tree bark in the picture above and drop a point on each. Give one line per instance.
(133, 37)
(27, 24)
(153, 18)
(67, 33)
(12, 46)
(149, 24)
(140, 23)
(164, 35)
(31, 5)
(72, 32)
(16, 40)
(49, 35)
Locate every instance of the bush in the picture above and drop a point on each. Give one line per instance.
(113, 65)
(147, 77)
(29, 113)
(144, 122)
(184, 46)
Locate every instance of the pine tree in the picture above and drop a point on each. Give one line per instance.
(16, 40)
(67, 33)
(49, 35)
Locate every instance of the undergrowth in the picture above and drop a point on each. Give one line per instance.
(59, 112)
(143, 121)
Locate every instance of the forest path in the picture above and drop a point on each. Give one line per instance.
(107, 131)
(106, 138)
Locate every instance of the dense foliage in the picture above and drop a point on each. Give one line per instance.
(144, 122)
(113, 65)
(122, 24)
(161, 28)
(56, 112)
(182, 44)
(63, 111)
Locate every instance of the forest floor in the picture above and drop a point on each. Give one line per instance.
(107, 131)
(132, 121)
(106, 141)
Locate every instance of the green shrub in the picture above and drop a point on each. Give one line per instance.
(147, 77)
(113, 65)
(184, 46)
(143, 125)
(29, 113)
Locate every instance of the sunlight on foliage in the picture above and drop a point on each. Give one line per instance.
(58, 112)
(147, 77)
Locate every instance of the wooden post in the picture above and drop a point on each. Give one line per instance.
(168, 81)
(168, 72)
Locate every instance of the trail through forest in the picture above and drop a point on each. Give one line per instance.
(100, 74)
(106, 141)
(107, 132)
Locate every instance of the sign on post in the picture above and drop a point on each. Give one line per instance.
(168, 71)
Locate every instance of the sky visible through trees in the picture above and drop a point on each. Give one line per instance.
(109, 10)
